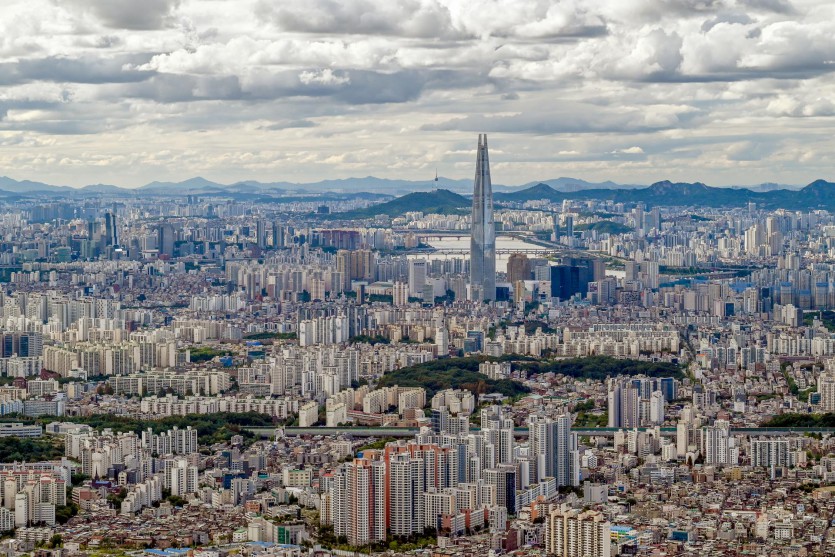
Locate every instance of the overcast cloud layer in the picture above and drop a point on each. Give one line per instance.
(126, 91)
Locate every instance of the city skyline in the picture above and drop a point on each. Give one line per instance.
(213, 344)
(726, 92)
(303, 374)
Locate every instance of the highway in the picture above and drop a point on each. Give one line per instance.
(522, 432)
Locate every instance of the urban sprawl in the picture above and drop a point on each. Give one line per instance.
(218, 374)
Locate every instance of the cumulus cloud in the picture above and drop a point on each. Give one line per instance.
(289, 124)
(777, 6)
(607, 89)
(410, 18)
(323, 77)
(128, 14)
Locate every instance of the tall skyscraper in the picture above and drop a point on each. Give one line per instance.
(165, 239)
(567, 230)
(417, 277)
(111, 234)
(260, 234)
(278, 236)
(518, 268)
(483, 235)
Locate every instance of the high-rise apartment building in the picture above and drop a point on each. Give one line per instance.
(826, 388)
(503, 478)
(770, 453)
(358, 506)
(355, 265)
(497, 431)
(575, 533)
(406, 487)
(717, 447)
(400, 293)
(553, 450)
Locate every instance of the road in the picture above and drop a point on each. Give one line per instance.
(522, 432)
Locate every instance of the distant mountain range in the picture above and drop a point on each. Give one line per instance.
(575, 184)
(820, 194)
(202, 186)
(817, 195)
(346, 186)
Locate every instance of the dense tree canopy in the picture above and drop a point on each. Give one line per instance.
(801, 420)
(16, 449)
(600, 367)
(451, 373)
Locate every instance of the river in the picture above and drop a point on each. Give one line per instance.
(463, 242)
(503, 242)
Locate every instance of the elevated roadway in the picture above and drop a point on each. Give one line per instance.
(522, 432)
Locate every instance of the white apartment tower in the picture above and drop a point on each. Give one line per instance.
(826, 387)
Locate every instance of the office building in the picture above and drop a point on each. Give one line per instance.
(483, 233)
(111, 236)
(22, 345)
(417, 277)
(518, 268)
(573, 275)
(165, 239)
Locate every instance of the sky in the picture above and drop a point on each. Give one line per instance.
(726, 92)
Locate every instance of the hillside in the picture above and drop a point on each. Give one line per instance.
(535, 192)
(820, 194)
(564, 184)
(451, 373)
(815, 195)
(601, 367)
(443, 202)
(604, 227)
(660, 193)
(801, 420)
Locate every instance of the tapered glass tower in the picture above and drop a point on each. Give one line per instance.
(483, 235)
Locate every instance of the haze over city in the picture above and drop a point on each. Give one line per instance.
(122, 92)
